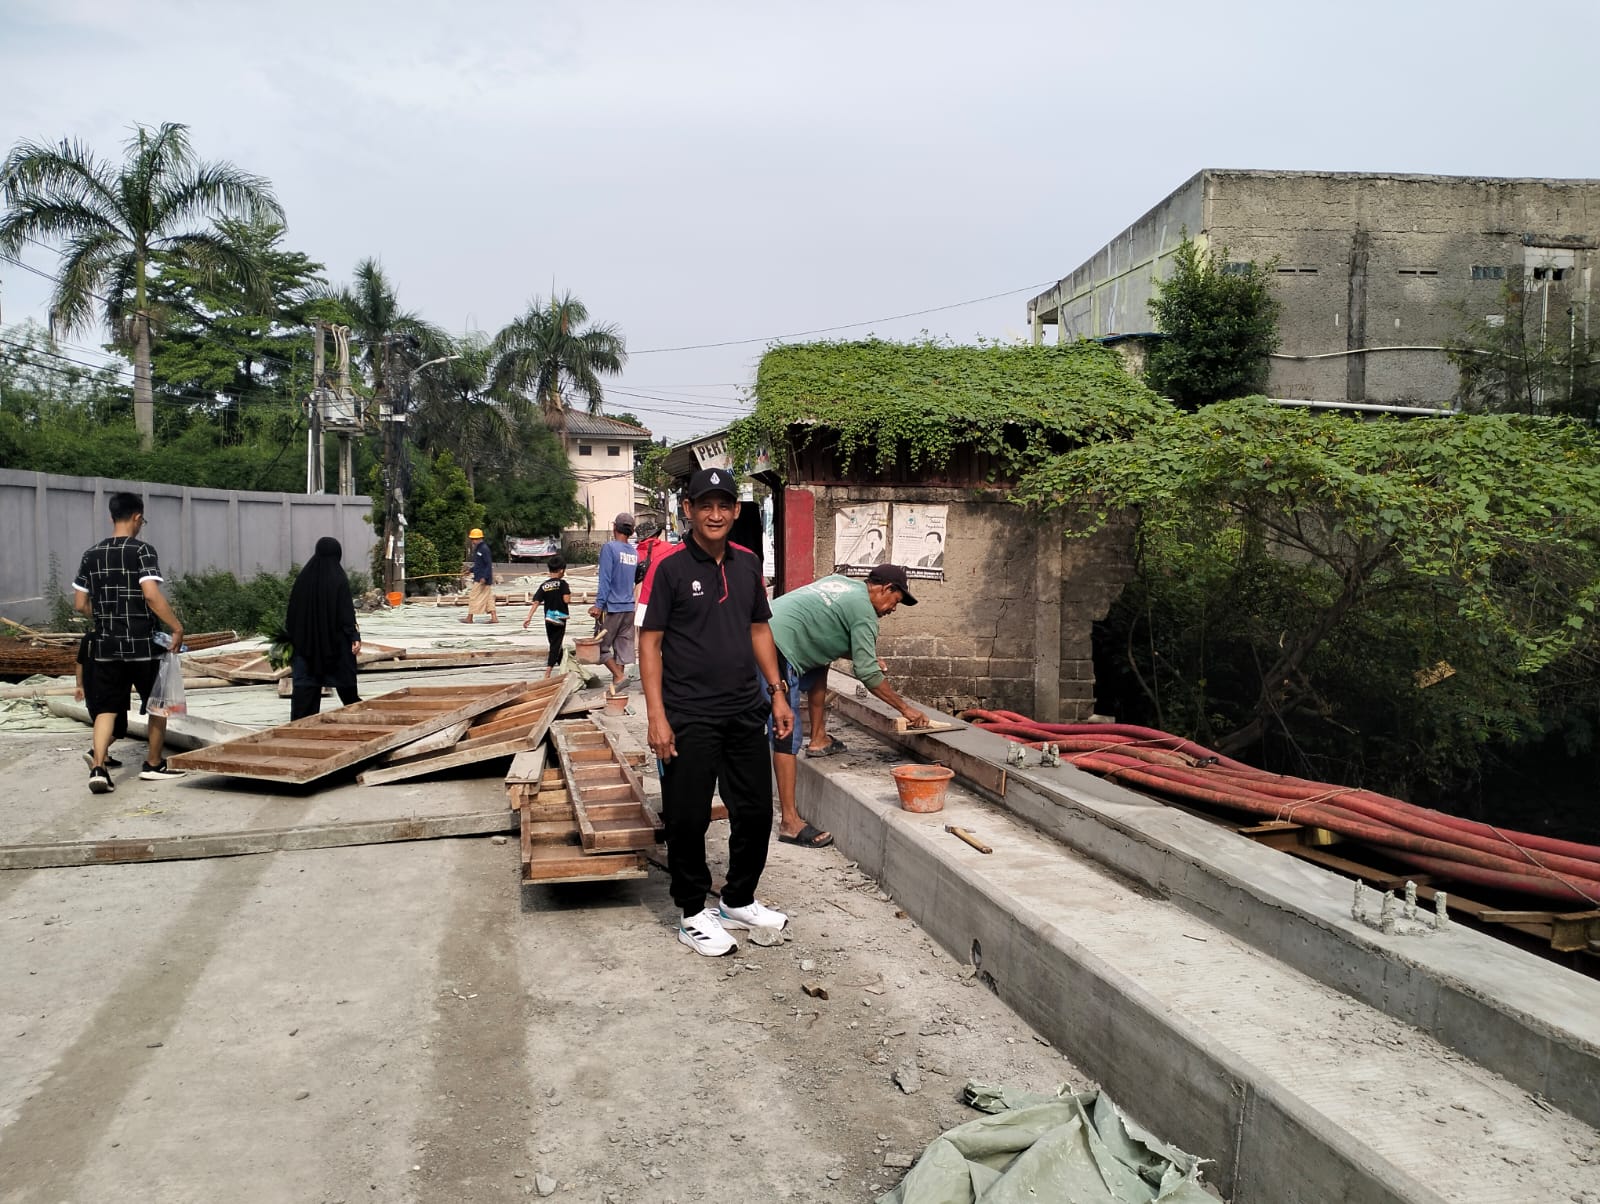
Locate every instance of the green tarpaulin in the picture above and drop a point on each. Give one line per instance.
(1067, 1148)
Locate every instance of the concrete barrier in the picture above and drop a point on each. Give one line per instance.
(1083, 957)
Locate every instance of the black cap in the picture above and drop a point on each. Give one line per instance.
(711, 480)
(895, 575)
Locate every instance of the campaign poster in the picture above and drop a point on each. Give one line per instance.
(860, 538)
(919, 535)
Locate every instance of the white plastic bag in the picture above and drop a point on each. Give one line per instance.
(167, 698)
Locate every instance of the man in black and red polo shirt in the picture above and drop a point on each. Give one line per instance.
(703, 640)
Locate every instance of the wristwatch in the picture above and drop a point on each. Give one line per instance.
(774, 686)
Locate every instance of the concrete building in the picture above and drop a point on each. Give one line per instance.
(1375, 273)
(601, 451)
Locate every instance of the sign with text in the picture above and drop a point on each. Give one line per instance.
(918, 539)
(860, 538)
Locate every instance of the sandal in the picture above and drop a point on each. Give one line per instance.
(808, 837)
(834, 745)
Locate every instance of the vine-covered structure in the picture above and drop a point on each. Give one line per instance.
(925, 432)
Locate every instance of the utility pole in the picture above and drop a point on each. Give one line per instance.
(392, 411)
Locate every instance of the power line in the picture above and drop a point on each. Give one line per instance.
(800, 334)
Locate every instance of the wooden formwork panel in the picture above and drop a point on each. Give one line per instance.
(515, 726)
(314, 747)
(608, 798)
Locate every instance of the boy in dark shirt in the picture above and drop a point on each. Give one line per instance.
(553, 594)
(702, 641)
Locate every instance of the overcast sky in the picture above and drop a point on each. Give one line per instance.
(705, 172)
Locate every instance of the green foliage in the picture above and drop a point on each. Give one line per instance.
(217, 601)
(649, 472)
(539, 500)
(1538, 360)
(442, 509)
(1316, 546)
(881, 403)
(1219, 322)
(423, 565)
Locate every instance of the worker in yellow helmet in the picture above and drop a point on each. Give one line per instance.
(481, 598)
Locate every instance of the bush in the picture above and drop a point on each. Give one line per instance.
(218, 602)
(422, 562)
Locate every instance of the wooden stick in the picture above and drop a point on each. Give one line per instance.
(963, 834)
(933, 725)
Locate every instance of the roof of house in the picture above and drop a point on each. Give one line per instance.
(579, 422)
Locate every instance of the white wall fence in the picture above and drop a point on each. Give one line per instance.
(194, 530)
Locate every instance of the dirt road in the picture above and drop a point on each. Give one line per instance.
(404, 1023)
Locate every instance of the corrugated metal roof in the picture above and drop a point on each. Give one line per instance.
(579, 422)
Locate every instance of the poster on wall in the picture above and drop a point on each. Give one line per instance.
(860, 538)
(919, 534)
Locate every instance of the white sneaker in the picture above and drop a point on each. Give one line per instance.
(757, 915)
(705, 934)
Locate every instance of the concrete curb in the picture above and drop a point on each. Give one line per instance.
(1527, 1019)
(1270, 1147)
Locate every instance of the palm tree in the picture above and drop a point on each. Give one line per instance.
(544, 355)
(112, 219)
(453, 411)
(376, 319)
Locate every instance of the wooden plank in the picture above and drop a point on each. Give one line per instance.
(527, 734)
(943, 748)
(444, 738)
(458, 659)
(553, 864)
(243, 757)
(260, 840)
(933, 725)
(528, 767)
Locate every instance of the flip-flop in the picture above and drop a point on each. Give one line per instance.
(834, 745)
(808, 837)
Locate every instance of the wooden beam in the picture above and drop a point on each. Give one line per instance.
(260, 840)
(943, 748)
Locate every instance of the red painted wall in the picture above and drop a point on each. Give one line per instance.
(799, 539)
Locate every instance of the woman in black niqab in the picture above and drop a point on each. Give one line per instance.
(321, 625)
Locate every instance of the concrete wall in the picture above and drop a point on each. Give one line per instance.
(605, 482)
(1009, 627)
(1363, 263)
(1110, 294)
(194, 530)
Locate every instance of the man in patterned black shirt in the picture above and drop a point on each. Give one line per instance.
(119, 586)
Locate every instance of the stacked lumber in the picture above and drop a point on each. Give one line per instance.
(584, 819)
(55, 654)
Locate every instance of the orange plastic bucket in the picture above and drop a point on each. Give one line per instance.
(396, 597)
(922, 787)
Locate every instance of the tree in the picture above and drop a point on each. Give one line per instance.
(371, 306)
(1482, 530)
(452, 410)
(1219, 322)
(1531, 358)
(544, 355)
(649, 472)
(251, 350)
(114, 221)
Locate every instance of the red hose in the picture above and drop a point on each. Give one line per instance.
(1335, 820)
(1471, 851)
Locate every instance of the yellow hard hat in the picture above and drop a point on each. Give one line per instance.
(475, 533)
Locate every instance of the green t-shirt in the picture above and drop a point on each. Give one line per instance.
(819, 623)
